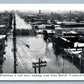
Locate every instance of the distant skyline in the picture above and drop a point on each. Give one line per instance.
(43, 7)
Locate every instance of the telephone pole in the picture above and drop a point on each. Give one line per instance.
(14, 45)
(38, 65)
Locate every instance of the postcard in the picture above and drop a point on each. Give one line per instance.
(41, 42)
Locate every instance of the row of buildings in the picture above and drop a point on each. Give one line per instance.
(63, 30)
(5, 27)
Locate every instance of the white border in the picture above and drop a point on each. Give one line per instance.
(52, 7)
(39, 77)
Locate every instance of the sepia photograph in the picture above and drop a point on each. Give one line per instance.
(41, 38)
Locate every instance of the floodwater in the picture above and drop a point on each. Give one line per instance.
(29, 50)
(37, 48)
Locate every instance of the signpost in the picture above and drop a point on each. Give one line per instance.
(38, 65)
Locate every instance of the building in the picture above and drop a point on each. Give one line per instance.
(2, 46)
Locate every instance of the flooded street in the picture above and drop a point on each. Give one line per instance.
(37, 49)
(29, 50)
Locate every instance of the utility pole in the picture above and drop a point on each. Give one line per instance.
(39, 65)
(14, 45)
(82, 61)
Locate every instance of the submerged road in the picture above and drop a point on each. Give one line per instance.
(29, 50)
